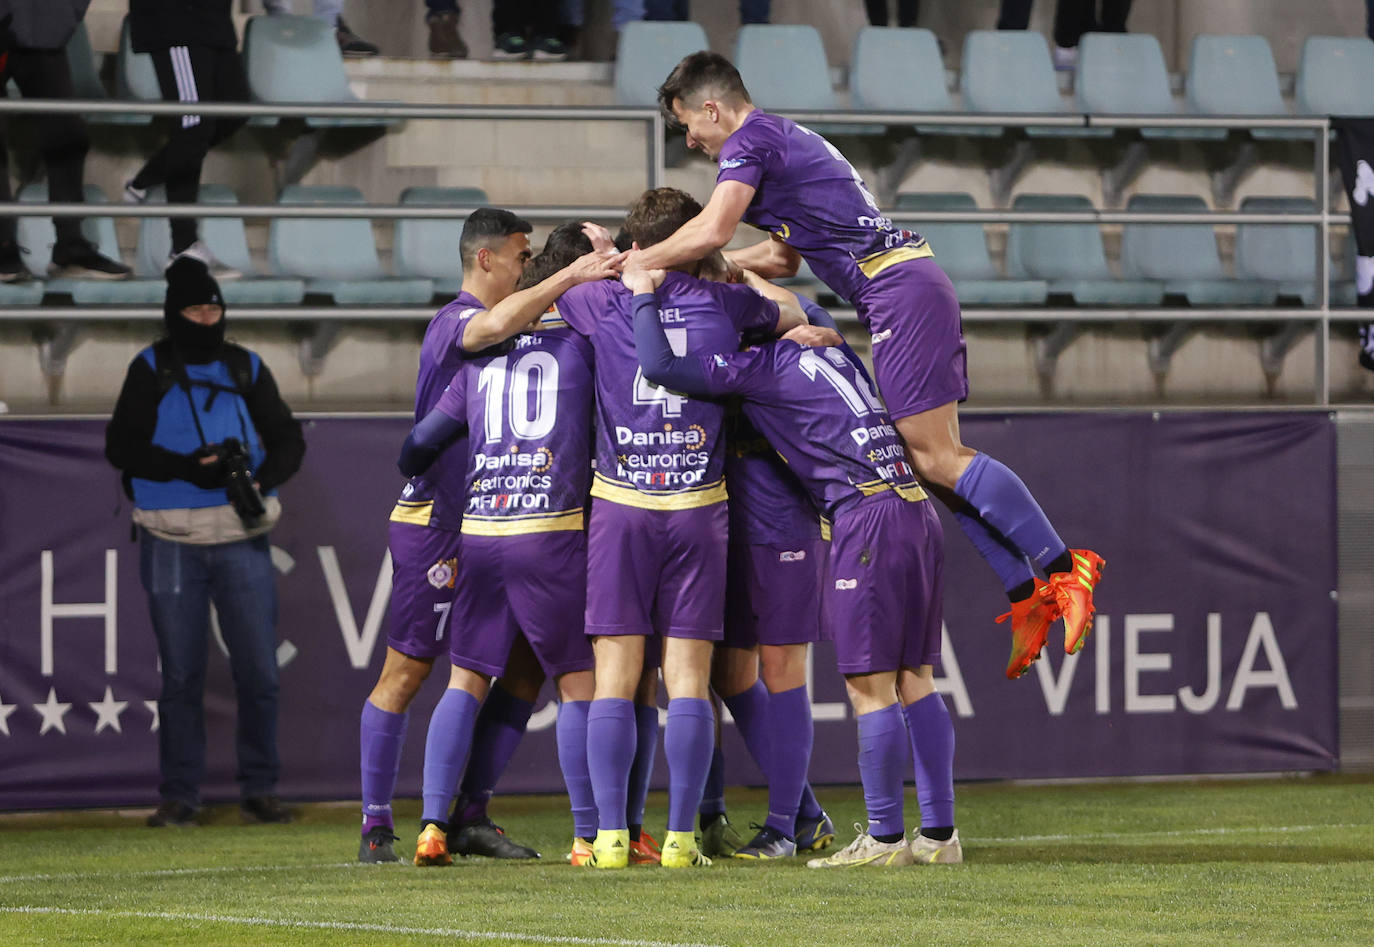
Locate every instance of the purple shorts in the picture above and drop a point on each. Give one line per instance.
(773, 593)
(535, 584)
(656, 571)
(424, 565)
(919, 354)
(885, 592)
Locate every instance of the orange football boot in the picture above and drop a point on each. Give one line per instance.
(1073, 591)
(1030, 626)
(431, 848)
(581, 853)
(645, 851)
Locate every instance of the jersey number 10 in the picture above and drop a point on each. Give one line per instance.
(532, 371)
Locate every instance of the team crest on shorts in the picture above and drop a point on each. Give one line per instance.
(442, 573)
(789, 556)
(846, 584)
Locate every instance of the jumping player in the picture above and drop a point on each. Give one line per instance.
(786, 179)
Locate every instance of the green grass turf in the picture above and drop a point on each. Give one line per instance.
(1257, 861)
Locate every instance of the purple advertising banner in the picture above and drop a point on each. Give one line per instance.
(1213, 650)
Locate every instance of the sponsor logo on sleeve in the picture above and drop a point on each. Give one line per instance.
(789, 556)
(844, 585)
(727, 163)
(882, 336)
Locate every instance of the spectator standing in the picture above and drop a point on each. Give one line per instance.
(907, 12)
(1072, 18)
(445, 42)
(331, 12)
(750, 11)
(198, 428)
(33, 41)
(195, 52)
(527, 29)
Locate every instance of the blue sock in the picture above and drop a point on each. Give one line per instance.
(381, 735)
(610, 751)
(499, 729)
(1006, 560)
(750, 710)
(687, 743)
(882, 757)
(791, 734)
(1003, 503)
(932, 747)
(572, 759)
(713, 796)
(446, 750)
(642, 767)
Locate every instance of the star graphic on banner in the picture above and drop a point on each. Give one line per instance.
(152, 709)
(5, 711)
(107, 712)
(53, 711)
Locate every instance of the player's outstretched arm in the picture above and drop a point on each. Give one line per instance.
(771, 259)
(427, 440)
(706, 232)
(790, 311)
(517, 311)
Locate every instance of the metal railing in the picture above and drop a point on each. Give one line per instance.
(1319, 316)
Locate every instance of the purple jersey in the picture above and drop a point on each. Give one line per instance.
(656, 448)
(528, 408)
(807, 194)
(435, 497)
(768, 505)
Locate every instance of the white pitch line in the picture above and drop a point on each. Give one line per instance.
(1164, 833)
(459, 933)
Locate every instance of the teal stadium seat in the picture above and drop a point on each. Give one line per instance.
(337, 257)
(429, 248)
(1283, 256)
(1336, 76)
(135, 77)
(1124, 74)
(86, 82)
(646, 52)
(961, 249)
(297, 59)
(900, 70)
(785, 70)
(1071, 257)
(1184, 256)
(37, 235)
(1235, 75)
(1009, 71)
(227, 240)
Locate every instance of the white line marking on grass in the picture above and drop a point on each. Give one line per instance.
(351, 926)
(1235, 830)
(171, 872)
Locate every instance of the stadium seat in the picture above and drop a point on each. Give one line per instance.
(86, 82)
(37, 235)
(1336, 76)
(1124, 74)
(647, 52)
(784, 68)
(429, 248)
(27, 293)
(961, 249)
(337, 256)
(1184, 256)
(227, 240)
(1283, 256)
(1071, 256)
(1235, 75)
(900, 70)
(1009, 71)
(135, 76)
(297, 59)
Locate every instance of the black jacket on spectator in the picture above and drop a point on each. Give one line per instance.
(39, 24)
(162, 24)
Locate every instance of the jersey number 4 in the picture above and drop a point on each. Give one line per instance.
(526, 390)
(669, 401)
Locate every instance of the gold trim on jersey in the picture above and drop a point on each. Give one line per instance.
(417, 513)
(913, 493)
(566, 521)
(874, 264)
(603, 488)
(825, 529)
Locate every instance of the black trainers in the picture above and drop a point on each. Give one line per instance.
(549, 49)
(264, 809)
(375, 847)
(79, 259)
(12, 268)
(485, 837)
(172, 812)
(510, 46)
(350, 43)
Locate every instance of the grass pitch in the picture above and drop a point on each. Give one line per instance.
(1286, 861)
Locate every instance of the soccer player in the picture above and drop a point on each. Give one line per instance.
(786, 179)
(884, 609)
(657, 537)
(424, 545)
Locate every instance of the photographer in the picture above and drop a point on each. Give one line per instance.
(203, 439)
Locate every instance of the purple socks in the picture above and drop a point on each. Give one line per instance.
(790, 734)
(446, 750)
(500, 727)
(713, 796)
(932, 747)
(1006, 560)
(381, 734)
(642, 768)
(688, 740)
(882, 757)
(610, 752)
(1004, 504)
(572, 759)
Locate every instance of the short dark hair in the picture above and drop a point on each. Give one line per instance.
(566, 243)
(485, 227)
(658, 213)
(698, 73)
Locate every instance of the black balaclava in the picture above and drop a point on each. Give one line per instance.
(189, 283)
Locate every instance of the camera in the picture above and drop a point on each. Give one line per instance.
(238, 482)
